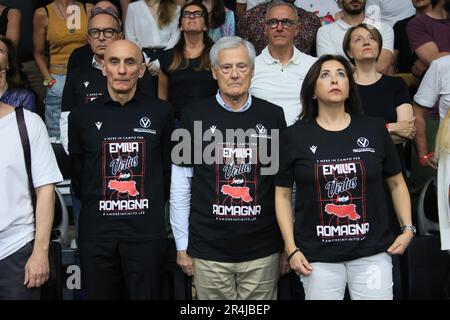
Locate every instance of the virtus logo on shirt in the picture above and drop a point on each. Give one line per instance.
(145, 124)
(363, 144)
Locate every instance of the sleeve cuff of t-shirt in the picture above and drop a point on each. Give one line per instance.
(241, 1)
(284, 183)
(181, 243)
(423, 103)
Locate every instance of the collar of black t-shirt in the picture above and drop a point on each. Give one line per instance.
(106, 100)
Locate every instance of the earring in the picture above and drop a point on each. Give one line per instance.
(314, 97)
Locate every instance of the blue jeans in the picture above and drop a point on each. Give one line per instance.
(53, 105)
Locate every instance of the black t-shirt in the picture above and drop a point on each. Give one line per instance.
(84, 83)
(187, 85)
(232, 217)
(406, 58)
(382, 98)
(341, 211)
(80, 57)
(125, 156)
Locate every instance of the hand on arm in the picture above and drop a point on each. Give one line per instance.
(421, 139)
(283, 208)
(402, 205)
(37, 266)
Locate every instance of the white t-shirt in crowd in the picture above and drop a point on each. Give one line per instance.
(390, 11)
(16, 210)
(330, 37)
(280, 84)
(142, 29)
(321, 8)
(435, 86)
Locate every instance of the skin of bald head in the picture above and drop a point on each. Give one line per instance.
(123, 66)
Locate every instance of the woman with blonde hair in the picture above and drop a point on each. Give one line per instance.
(442, 154)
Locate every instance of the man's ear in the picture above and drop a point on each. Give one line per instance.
(103, 67)
(213, 70)
(297, 30)
(142, 71)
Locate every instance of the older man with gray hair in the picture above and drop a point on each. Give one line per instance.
(222, 207)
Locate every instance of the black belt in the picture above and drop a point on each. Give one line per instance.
(153, 53)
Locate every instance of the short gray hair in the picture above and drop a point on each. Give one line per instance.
(231, 43)
(279, 3)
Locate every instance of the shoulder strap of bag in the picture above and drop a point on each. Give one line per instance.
(26, 152)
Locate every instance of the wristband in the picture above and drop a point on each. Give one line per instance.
(49, 82)
(292, 254)
(423, 159)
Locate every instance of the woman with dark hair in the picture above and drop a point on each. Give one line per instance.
(382, 96)
(185, 73)
(221, 19)
(12, 91)
(338, 160)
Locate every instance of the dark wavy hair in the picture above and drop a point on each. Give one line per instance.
(179, 61)
(12, 70)
(310, 106)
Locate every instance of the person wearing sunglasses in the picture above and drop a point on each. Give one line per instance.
(185, 73)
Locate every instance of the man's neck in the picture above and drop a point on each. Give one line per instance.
(122, 98)
(353, 19)
(423, 10)
(438, 12)
(283, 54)
(236, 103)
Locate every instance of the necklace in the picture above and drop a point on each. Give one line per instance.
(64, 16)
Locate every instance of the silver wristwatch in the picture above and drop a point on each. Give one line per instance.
(409, 227)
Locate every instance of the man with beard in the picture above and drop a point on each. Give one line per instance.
(330, 37)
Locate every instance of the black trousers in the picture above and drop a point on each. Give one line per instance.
(12, 276)
(109, 267)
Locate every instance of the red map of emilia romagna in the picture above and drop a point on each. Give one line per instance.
(236, 183)
(341, 193)
(123, 163)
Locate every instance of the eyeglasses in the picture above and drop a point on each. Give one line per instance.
(194, 14)
(108, 10)
(108, 32)
(286, 23)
